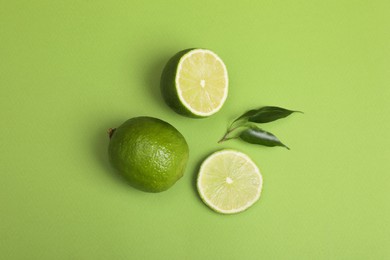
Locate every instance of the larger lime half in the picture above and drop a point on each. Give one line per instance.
(195, 83)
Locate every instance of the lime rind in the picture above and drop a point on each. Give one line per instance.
(168, 88)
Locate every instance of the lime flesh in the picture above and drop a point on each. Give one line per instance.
(194, 83)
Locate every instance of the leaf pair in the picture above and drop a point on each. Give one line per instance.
(253, 134)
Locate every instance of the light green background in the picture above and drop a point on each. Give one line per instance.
(69, 70)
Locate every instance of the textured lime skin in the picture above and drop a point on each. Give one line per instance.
(168, 85)
(150, 153)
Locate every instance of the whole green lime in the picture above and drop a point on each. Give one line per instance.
(150, 153)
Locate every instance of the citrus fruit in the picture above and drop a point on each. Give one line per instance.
(150, 153)
(229, 182)
(194, 83)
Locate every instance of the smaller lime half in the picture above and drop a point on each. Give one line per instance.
(229, 182)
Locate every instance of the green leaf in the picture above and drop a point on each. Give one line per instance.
(247, 114)
(266, 114)
(255, 135)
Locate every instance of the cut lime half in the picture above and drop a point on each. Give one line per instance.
(195, 83)
(229, 182)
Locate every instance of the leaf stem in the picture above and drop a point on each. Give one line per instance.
(228, 132)
(225, 138)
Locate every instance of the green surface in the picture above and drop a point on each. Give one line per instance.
(69, 70)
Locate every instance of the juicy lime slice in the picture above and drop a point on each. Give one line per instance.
(229, 182)
(195, 83)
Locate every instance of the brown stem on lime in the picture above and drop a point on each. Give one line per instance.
(111, 132)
